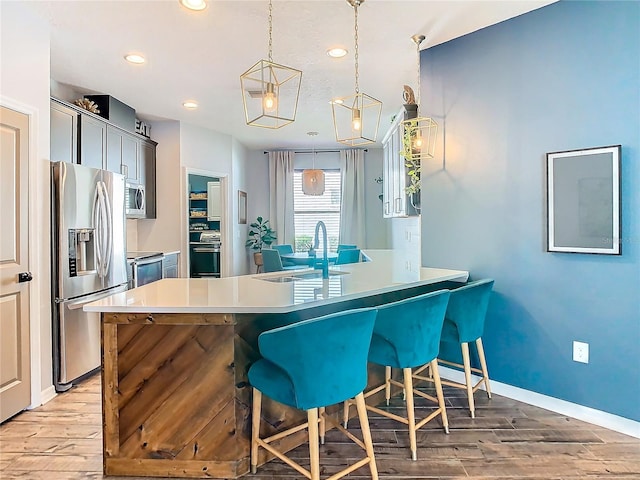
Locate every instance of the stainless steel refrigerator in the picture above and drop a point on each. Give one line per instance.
(88, 262)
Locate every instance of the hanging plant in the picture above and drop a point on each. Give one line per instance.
(412, 164)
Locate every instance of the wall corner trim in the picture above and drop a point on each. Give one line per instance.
(573, 410)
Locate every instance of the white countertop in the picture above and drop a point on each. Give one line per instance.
(257, 294)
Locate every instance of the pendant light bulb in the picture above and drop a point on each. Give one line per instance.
(270, 100)
(356, 120)
(417, 142)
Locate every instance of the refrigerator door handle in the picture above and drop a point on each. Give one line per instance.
(108, 228)
(78, 304)
(97, 225)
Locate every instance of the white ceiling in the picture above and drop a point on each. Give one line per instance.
(201, 55)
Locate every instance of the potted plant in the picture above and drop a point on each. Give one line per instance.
(413, 167)
(260, 235)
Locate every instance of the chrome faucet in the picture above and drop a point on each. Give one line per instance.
(324, 263)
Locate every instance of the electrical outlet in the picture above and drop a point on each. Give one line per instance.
(580, 352)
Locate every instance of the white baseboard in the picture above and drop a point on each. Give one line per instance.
(573, 410)
(48, 394)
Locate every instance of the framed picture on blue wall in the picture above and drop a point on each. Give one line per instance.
(583, 201)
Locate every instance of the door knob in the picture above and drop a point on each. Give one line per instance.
(24, 277)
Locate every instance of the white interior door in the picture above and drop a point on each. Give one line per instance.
(15, 377)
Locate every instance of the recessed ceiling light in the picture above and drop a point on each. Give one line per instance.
(337, 52)
(194, 4)
(337, 101)
(190, 105)
(134, 58)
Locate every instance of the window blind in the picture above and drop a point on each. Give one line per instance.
(310, 209)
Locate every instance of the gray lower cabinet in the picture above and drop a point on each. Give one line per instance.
(170, 266)
(64, 133)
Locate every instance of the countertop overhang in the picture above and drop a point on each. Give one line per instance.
(385, 273)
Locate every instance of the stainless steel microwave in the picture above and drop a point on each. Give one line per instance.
(135, 204)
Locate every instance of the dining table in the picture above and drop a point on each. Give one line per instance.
(303, 258)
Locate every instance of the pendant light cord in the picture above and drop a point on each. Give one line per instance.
(270, 30)
(355, 8)
(418, 69)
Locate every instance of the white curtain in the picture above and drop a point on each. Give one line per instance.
(352, 211)
(281, 196)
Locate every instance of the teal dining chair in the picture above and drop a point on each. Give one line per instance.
(464, 324)
(345, 246)
(271, 261)
(283, 249)
(351, 255)
(407, 335)
(299, 371)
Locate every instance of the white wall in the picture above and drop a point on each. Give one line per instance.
(240, 262)
(375, 225)
(163, 233)
(24, 85)
(209, 153)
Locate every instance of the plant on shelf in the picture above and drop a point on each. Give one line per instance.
(261, 235)
(412, 164)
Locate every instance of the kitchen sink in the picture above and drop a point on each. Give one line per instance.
(307, 275)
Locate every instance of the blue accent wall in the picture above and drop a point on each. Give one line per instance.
(564, 77)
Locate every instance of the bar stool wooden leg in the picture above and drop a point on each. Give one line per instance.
(483, 364)
(366, 434)
(467, 377)
(411, 417)
(314, 449)
(387, 388)
(255, 428)
(436, 380)
(323, 425)
(345, 413)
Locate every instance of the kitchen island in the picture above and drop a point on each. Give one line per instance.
(176, 401)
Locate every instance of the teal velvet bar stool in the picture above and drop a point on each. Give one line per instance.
(407, 335)
(464, 324)
(310, 365)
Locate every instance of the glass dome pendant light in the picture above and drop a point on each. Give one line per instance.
(421, 131)
(312, 179)
(270, 91)
(356, 118)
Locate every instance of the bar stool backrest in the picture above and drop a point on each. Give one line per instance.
(325, 357)
(413, 326)
(468, 309)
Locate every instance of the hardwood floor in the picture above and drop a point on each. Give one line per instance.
(507, 440)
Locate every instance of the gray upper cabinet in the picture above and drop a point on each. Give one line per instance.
(64, 133)
(93, 142)
(123, 153)
(81, 137)
(147, 172)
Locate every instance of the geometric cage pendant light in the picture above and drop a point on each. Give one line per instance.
(270, 91)
(419, 133)
(313, 179)
(356, 118)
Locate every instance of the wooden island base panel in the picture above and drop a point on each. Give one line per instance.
(175, 357)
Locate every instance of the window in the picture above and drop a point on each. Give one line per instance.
(310, 209)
